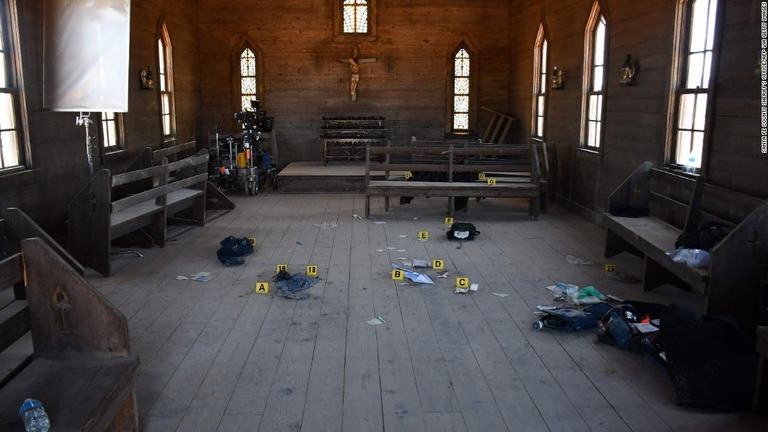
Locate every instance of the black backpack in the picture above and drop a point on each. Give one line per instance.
(708, 235)
(462, 231)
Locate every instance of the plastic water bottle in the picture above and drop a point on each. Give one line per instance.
(691, 163)
(35, 418)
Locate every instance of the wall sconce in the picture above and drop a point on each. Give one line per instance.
(146, 78)
(558, 78)
(628, 71)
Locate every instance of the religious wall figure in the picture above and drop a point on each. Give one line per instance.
(354, 68)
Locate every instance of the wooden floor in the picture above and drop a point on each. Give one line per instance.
(217, 356)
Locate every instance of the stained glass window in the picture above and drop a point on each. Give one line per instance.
(461, 86)
(355, 14)
(247, 78)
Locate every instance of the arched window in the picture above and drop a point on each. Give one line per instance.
(691, 81)
(593, 98)
(540, 85)
(248, 78)
(165, 82)
(462, 91)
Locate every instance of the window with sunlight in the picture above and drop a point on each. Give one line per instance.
(694, 81)
(165, 79)
(355, 14)
(247, 78)
(539, 84)
(11, 149)
(461, 87)
(594, 80)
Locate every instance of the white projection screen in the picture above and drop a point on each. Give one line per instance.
(86, 46)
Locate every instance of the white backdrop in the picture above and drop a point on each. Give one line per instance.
(86, 46)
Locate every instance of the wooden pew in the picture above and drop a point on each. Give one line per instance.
(449, 159)
(675, 203)
(214, 198)
(81, 367)
(98, 214)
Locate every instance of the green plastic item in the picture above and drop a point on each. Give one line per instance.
(590, 291)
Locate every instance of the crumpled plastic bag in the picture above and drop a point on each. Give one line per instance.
(691, 257)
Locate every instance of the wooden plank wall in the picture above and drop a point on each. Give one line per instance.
(635, 116)
(58, 146)
(305, 81)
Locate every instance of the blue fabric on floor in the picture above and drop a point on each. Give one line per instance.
(291, 286)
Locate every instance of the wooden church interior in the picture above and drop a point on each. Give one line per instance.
(651, 104)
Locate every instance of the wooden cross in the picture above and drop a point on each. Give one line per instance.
(354, 68)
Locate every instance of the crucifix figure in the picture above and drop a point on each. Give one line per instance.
(354, 68)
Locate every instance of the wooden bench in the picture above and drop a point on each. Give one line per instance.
(98, 215)
(449, 159)
(498, 127)
(676, 202)
(79, 365)
(214, 198)
(548, 167)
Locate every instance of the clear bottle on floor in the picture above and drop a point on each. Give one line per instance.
(35, 418)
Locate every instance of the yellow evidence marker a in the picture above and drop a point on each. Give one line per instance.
(397, 274)
(462, 282)
(282, 267)
(262, 287)
(448, 220)
(423, 235)
(610, 268)
(312, 270)
(438, 264)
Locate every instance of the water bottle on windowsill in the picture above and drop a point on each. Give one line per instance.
(691, 167)
(35, 418)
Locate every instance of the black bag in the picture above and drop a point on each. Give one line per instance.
(462, 231)
(708, 235)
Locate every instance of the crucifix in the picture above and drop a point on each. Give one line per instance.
(354, 68)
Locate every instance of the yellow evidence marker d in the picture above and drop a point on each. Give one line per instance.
(262, 287)
(438, 264)
(397, 274)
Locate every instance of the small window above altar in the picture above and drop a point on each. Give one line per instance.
(354, 20)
